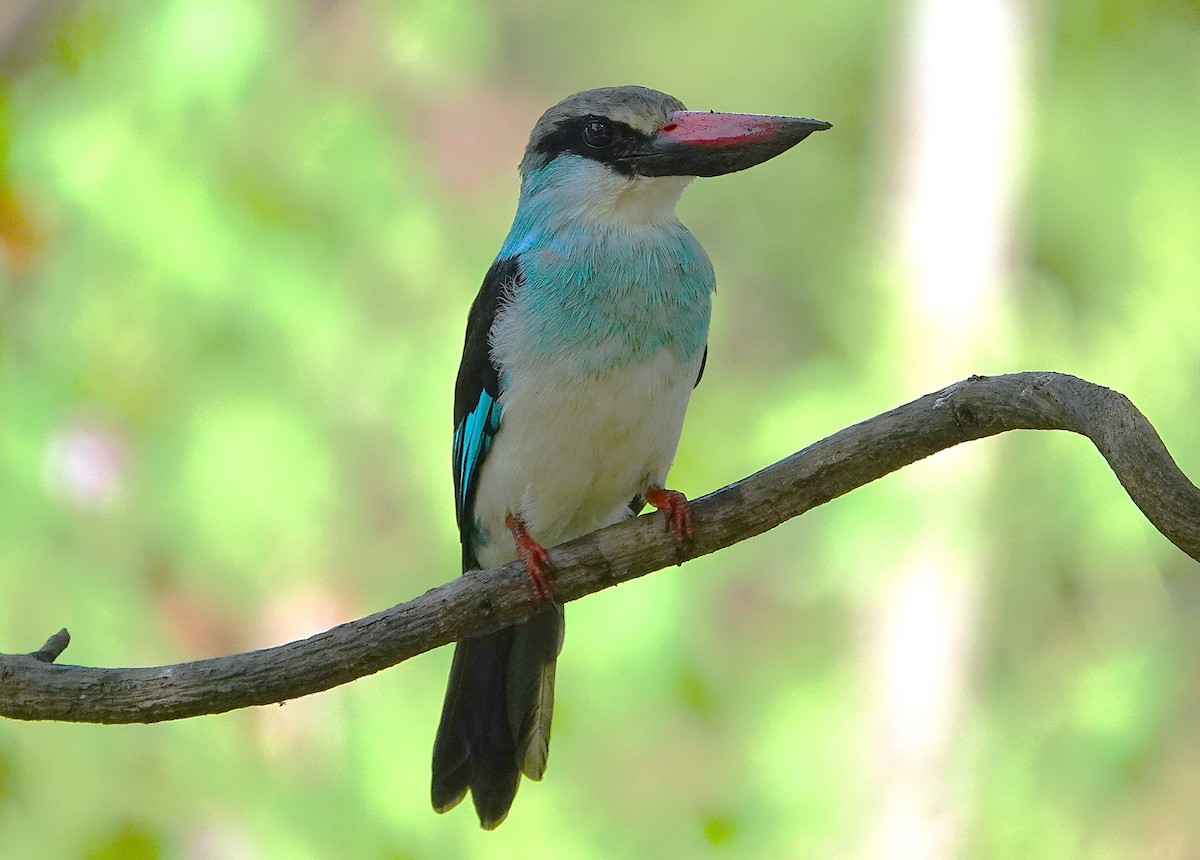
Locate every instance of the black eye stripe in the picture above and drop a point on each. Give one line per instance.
(572, 136)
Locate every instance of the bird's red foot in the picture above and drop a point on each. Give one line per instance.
(679, 516)
(533, 556)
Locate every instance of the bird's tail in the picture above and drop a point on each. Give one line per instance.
(496, 718)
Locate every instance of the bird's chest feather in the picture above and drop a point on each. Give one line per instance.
(574, 449)
(598, 299)
(598, 352)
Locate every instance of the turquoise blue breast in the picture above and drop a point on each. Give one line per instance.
(612, 296)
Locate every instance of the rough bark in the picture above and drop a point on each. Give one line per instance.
(34, 687)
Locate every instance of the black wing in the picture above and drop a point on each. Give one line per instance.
(477, 393)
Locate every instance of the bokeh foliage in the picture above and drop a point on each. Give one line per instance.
(240, 240)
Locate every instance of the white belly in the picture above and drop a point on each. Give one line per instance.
(573, 450)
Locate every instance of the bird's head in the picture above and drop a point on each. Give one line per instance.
(623, 155)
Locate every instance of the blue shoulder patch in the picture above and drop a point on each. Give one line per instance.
(472, 440)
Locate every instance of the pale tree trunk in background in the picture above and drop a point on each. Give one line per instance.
(951, 157)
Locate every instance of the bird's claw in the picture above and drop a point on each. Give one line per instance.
(534, 556)
(679, 517)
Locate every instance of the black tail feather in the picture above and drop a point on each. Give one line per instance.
(493, 696)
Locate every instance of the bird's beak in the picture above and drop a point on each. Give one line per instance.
(703, 143)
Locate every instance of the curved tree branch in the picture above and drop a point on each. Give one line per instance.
(33, 687)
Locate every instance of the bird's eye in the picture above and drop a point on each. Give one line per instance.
(598, 134)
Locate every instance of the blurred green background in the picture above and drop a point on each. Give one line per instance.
(238, 245)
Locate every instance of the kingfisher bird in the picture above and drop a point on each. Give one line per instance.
(582, 349)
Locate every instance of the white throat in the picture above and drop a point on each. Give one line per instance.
(596, 193)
